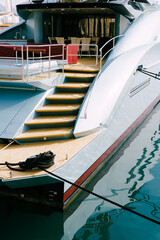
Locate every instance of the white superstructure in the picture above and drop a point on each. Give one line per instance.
(7, 17)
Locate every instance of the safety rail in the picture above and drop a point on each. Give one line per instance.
(101, 49)
(46, 53)
(81, 50)
(101, 56)
(37, 58)
(33, 58)
(25, 55)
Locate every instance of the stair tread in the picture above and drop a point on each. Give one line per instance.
(80, 75)
(48, 132)
(74, 85)
(52, 119)
(68, 96)
(86, 69)
(45, 132)
(59, 107)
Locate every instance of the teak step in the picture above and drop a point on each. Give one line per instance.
(66, 96)
(47, 121)
(76, 87)
(81, 69)
(73, 85)
(45, 134)
(56, 119)
(59, 108)
(80, 75)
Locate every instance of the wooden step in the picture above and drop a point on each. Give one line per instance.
(66, 96)
(47, 120)
(45, 134)
(81, 69)
(59, 108)
(80, 75)
(74, 85)
(56, 120)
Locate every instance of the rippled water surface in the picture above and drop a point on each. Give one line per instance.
(131, 178)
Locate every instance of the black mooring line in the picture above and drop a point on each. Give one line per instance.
(103, 198)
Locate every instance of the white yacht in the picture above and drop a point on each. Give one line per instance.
(7, 18)
(74, 101)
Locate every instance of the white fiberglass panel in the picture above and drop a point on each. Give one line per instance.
(144, 30)
(107, 90)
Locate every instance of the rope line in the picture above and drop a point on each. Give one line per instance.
(42, 160)
(103, 198)
(46, 160)
(6, 146)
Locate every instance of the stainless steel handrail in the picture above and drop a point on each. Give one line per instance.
(100, 50)
(16, 58)
(22, 63)
(101, 59)
(49, 61)
(80, 54)
(49, 56)
(24, 59)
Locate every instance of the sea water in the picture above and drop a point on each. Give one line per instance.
(131, 178)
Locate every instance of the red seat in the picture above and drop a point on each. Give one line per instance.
(72, 54)
(56, 50)
(7, 50)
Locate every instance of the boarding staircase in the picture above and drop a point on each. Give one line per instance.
(57, 118)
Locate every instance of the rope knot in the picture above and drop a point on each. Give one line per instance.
(42, 160)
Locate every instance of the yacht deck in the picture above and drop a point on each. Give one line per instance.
(64, 151)
(10, 70)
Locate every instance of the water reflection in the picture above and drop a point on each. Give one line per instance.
(131, 178)
(143, 162)
(142, 196)
(97, 225)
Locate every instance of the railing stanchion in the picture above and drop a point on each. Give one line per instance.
(96, 55)
(49, 61)
(16, 57)
(100, 58)
(67, 54)
(22, 63)
(63, 46)
(33, 56)
(27, 62)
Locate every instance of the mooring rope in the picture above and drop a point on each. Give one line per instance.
(6, 146)
(42, 160)
(103, 198)
(46, 160)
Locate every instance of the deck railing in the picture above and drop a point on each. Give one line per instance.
(24, 56)
(101, 57)
(31, 60)
(110, 49)
(81, 51)
(35, 59)
(47, 53)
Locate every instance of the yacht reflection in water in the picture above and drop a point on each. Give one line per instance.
(140, 194)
